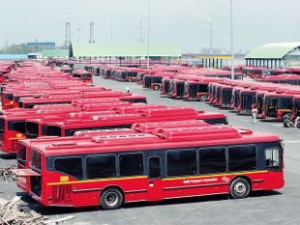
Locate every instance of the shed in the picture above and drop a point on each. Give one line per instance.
(275, 55)
(114, 50)
(55, 53)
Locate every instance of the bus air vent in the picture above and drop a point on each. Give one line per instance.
(206, 133)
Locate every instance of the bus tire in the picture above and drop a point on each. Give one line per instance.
(111, 198)
(240, 188)
(156, 87)
(203, 98)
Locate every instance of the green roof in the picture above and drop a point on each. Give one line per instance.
(272, 51)
(124, 50)
(55, 53)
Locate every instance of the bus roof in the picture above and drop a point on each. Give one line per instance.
(169, 138)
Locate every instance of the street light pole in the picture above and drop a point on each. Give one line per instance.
(211, 40)
(231, 41)
(148, 38)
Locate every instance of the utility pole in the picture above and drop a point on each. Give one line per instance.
(68, 35)
(141, 31)
(92, 37)
(231, 41)
(148, 39)
(111, 27)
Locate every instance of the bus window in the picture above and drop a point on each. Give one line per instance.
(216, 121)
(32, 130)
(286, 103)
(242, 158)
(21, 156)
(2, 126)
(154, 167)
(52, 131)
(17, 126)
(212, 160)
(272, 158)
(181, 163)
(36, 160)
(69, 165)
(131, 164)
(100, 166)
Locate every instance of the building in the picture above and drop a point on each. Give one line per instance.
(55, 53)
(275, 55)
(41, 45)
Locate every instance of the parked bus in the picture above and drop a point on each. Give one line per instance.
(276, 105)
(83, 75)
(197, 88)
(68, 128)
(225, 97)
(24, 146)
(173, 164)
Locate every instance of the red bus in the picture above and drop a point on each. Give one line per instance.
(174, 164)
(83, 75)
(255, 72)
(23, 148)
(276, 105)
(285, 78)
(225, 97)
(296, 107)
(68, 128)
(197, 88)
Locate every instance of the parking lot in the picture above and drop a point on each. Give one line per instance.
(278, 207)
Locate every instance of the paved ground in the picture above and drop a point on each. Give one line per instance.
(276, 208)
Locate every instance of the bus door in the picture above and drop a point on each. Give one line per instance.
(259, 101)
(155, 191)
(272, 104)
(246, 102)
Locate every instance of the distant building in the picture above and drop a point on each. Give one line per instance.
(275, 55)
(41, 45)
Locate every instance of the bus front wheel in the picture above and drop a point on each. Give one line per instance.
(203, 98)
(156, 87)
(111, 198)
(240, 188)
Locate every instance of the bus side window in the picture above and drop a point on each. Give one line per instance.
(272, 157)
(131, 164)
(71, 166)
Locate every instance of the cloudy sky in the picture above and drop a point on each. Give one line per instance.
(184, 22)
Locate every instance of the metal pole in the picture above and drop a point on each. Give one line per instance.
(148, 41)
(231, 41)
(111, 26)
(211, 41)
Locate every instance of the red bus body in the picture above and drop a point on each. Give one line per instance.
(71, 188)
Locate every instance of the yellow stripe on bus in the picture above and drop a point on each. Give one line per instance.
(215, 175)
(166, 179)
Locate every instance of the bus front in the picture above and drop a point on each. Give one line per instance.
(11, 130)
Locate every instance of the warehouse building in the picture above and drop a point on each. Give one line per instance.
(275, 55)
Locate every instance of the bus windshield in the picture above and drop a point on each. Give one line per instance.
(36, 160)
(21, 156)
(17, 126)
(32, 130)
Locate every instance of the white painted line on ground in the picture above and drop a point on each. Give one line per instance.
(277, 125)
(292, 141)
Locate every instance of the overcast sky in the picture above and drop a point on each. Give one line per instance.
(184, 22)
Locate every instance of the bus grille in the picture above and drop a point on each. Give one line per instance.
(61, 194)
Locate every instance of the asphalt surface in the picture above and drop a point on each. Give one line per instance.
(280, 207)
